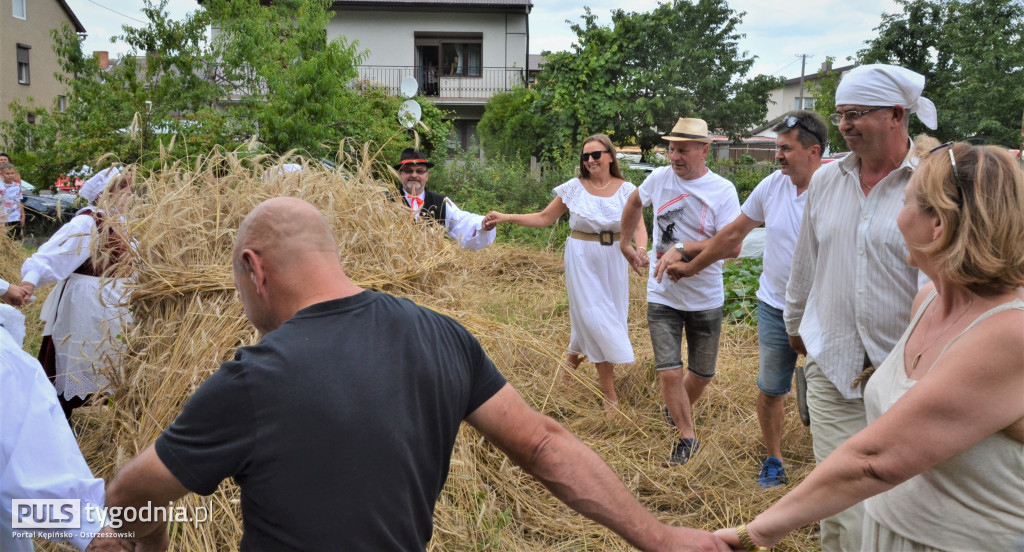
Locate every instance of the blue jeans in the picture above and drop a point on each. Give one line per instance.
(777, 359)
(703, 330)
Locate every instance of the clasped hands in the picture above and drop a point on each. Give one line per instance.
(18, 295)
(493, 219)
(671, 263)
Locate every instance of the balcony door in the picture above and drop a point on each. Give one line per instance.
(453, 54)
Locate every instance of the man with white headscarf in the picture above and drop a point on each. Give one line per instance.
(850, 291)
(84, 311)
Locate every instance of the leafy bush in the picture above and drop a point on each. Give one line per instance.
(741, 283)
(508, 186)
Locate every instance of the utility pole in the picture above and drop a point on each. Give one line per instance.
(803, 66)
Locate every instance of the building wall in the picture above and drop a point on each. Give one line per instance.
(42, 16)
(785, 99)
(390, 36)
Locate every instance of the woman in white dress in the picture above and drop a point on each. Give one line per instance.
(84, 313)
(596, 274)
(940, 463)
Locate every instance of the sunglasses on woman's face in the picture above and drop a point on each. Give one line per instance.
(595, 155)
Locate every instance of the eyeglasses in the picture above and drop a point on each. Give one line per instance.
(410, 170)
(792, 121)
(851, 115)
(595, 155)
(956, 174)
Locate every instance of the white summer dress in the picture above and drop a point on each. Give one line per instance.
(597, 276)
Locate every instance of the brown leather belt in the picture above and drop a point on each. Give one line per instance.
(604, 238)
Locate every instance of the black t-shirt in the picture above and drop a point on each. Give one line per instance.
(338, 426)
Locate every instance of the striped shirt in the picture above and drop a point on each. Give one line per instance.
(850, 288)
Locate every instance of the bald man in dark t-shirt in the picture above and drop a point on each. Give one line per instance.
(339, 424)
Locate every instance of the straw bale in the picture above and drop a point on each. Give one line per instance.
(188, 320)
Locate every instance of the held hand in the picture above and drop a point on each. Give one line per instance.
(666, 260)
(695, 540)
(637, 260)
(29, 289)
(157, 541)
(797, 343)
(108, 540)
(16, 296)
(729, 537)
(493, 219)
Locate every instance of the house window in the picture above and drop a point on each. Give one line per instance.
(452, 55)
(807, 103)
(23, 64)
(62, 103)
(19, 9)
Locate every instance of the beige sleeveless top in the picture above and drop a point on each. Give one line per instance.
(972, 501)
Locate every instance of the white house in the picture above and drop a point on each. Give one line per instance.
(28, 62)
(460, 51)
(789, 98)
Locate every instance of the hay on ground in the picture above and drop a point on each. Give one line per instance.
(188, 320)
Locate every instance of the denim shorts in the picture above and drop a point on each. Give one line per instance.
(703, 330)
(777, 358)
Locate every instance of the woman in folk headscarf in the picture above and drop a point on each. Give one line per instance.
(84, 312)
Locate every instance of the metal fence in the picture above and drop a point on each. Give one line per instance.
(479, 83)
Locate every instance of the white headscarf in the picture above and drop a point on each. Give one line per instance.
(879, 84)
(97, 183)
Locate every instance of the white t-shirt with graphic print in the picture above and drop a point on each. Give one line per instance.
(688, 210)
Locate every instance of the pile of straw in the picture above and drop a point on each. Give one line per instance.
(188, 320)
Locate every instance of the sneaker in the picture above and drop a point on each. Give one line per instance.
(681, 452)
(668, 415)
(772, 474)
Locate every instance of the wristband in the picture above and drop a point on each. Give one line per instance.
(748, 542)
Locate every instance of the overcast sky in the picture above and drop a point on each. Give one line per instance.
(777, 30)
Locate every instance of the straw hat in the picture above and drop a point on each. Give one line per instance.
(694, 130)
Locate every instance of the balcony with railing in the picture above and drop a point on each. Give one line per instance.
(477, 84)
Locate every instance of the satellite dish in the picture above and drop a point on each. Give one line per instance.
(409, 87)
(409, 113)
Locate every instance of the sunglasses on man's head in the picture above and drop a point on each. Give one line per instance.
(792, 121)
(595, 155)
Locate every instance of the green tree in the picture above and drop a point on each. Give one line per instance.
(682, 59)
(823, 91)
(972, 56)
(509, 126)
(269, 72)
(634, 78)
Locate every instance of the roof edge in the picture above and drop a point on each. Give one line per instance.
(79, 28)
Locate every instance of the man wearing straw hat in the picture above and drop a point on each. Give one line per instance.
(339, 424)
(691, 203)
(850, 292)
(464, 227)
(778, 203)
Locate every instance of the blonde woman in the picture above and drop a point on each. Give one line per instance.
(940, 463)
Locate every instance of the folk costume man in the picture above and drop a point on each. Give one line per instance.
(464, 227)
(691, 203)
(778, 203)
(851, 289)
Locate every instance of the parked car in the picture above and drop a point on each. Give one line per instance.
(834, 157)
